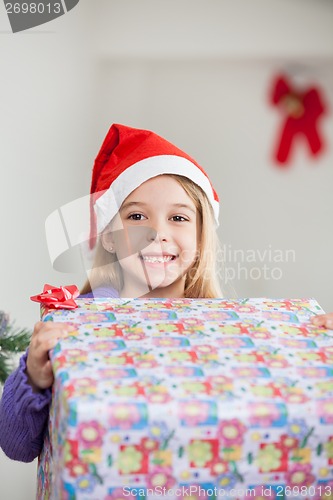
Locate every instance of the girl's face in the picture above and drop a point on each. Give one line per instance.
(155, 237)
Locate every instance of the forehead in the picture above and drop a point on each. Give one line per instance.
(161, 187)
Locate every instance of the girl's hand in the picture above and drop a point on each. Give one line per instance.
(45, 336)
(325, 320)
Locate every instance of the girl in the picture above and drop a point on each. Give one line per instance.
(154, 210)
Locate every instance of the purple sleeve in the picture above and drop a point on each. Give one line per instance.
(105, 292)
(23, 416)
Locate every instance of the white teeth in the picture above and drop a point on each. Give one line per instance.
(160, 260)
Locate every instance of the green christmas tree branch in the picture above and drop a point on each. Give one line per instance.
(12, 341)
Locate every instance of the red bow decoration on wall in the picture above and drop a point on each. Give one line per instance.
(302, 110)
(58, 298)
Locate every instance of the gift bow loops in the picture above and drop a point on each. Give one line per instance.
(62, 297)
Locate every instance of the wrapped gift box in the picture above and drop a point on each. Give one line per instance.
(190, 398)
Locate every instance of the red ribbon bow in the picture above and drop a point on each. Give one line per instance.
(301, 110)
(58, 298)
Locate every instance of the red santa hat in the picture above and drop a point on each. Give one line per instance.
(128, 157)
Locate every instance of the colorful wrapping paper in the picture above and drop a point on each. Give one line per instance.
(190, 398)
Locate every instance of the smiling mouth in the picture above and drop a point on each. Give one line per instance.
(154, 259)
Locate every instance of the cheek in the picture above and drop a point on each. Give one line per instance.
(190, 246)
(121, 246)
(132, 240)
(126, 245)
(189, 239)
(188, 256)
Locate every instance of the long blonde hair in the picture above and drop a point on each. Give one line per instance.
(201, 279)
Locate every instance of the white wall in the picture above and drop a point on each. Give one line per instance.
(197, 73)
(46, 122)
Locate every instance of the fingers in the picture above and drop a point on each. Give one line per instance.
(325, 320)
(46, 341)
(45, 336)
(51, 325)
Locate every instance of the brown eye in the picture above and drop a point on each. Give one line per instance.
(136, 217)
(179, 218)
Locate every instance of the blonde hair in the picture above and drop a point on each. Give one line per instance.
(201, 279)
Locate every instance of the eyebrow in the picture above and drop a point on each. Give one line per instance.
(142, 204)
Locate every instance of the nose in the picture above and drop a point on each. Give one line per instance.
(157, 233)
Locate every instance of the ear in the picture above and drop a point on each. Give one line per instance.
(107, 240)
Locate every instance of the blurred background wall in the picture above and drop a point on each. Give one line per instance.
(200, 74)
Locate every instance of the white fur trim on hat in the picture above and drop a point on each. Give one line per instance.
(108, 204)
